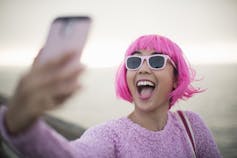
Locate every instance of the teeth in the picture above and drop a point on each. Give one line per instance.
(145, 83)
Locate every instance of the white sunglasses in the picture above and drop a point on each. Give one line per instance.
(155, 62)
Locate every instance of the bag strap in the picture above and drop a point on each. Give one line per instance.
(188, 129)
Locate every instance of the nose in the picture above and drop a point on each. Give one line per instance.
(144, 68)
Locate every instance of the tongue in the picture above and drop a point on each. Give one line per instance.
(146, 92)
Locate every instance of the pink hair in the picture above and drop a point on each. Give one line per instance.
(184, 73)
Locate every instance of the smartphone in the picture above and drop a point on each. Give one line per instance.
(66, 34)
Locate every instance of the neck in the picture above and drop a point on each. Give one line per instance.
(152, 120)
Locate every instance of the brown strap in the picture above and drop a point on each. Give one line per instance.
(187, 128)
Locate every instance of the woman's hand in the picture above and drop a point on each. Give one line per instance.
(43, 88)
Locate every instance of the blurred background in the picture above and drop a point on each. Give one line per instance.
(205, 30)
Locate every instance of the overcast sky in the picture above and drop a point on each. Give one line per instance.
(203, 28)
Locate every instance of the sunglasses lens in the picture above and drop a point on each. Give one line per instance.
(133, 62)
(157, 62)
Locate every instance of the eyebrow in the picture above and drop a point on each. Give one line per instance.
(136, 52)
(156, 53)
(139, 53)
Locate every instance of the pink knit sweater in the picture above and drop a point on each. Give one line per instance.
(120, 138)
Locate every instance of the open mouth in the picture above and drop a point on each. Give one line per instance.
(145, 88)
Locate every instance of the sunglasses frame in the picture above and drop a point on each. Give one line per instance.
(147, 57)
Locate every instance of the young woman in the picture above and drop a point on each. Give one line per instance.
(153, 77)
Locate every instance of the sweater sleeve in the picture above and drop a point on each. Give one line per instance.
(98, 141)
(41, 141)
(205, 143)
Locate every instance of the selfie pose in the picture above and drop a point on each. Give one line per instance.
(153, 77)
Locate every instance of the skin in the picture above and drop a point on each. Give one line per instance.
(151, 113)
(42, 88)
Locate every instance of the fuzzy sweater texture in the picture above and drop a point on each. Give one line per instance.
(119, 138)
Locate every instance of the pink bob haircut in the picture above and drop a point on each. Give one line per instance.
(184, 73)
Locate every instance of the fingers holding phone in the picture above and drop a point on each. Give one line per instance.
(43, 88)
(53, 77)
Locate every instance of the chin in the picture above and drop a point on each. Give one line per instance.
(149, 106)
(146, 107)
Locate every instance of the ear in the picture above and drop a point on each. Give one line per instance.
(175, 84)
(175, 80)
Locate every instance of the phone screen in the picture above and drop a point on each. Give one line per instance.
(66, 34)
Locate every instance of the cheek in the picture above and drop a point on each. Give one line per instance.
(130, 79)
(166, 82)
(167, 86)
